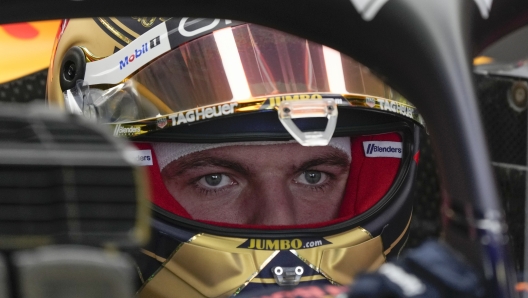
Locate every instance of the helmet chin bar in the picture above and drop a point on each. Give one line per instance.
(326, 107)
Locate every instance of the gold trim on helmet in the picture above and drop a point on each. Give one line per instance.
(252, 277)
(393, 244)
(367, 232)
(153, 255)
(147, 22)
(216, 266)
(114, 30)
(124, 27)
(315, 268)
(140, 127)
(166, 260)
(89, 55)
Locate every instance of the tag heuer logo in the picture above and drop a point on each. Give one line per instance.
(162, 122)
(371, 102)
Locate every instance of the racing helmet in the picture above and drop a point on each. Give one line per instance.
(228, 101)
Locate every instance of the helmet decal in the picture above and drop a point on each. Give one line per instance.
(148, 46)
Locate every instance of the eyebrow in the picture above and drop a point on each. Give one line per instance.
(204, 161)
(332, 159)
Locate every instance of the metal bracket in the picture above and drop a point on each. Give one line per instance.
(326, 107)
(71, 103)
(287, 276)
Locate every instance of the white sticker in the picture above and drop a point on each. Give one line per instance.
(121, 130)
(383, 149)
(140, 157)
(114, 68)
(203, 113)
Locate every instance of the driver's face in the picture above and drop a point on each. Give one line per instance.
(285, 184)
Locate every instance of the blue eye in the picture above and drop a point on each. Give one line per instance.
(215, 181)
(311, 177)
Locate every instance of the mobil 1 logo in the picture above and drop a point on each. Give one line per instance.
(154, 42)
(138, 52)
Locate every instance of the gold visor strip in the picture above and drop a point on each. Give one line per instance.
(136, 128)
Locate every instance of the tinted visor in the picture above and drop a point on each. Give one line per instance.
(232, 64)
(251, 61)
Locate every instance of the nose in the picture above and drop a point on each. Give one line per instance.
(274, 204)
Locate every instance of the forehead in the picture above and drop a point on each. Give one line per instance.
(263, 156)
(275, 151)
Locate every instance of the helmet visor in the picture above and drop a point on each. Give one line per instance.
(250, 61)
(234, 64)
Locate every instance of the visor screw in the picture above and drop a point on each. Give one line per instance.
(278, 270)
(299, 270)
(286, 110)
(330, 108)
(70, 70)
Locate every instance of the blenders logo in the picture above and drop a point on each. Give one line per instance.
(140, 157)
(283, 244)
(373, 148)
(121, 130)
(138, 52)
(383, 149)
